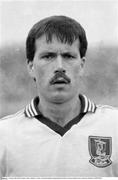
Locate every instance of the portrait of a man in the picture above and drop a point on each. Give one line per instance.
(61, 132)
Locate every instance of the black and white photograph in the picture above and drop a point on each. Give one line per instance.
(58, 89)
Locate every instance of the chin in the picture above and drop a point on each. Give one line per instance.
(60, 98)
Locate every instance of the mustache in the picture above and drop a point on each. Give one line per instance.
(58, 75)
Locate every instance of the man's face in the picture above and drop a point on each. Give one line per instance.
(57, 68)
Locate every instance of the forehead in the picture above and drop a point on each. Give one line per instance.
(41, 44)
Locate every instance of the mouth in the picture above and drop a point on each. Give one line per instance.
(60, 81)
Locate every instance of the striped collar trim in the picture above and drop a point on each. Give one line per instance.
(31, 110)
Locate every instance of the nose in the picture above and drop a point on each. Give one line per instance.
(60, 70)
(59, 65)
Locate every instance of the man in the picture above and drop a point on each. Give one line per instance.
(60, 133)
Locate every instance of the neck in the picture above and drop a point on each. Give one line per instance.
(60, 113)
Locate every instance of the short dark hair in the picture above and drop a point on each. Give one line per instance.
(66, 30)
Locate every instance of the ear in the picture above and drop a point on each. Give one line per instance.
(83, 59)
(30, 67)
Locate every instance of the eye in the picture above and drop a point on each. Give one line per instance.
(68, 56)
(48, 56)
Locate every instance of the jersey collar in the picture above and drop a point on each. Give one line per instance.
(31, 110)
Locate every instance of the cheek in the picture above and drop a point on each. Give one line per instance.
(43, 75)
(76, 72)
(40, 74)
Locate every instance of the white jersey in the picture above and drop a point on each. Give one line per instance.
(33, 146)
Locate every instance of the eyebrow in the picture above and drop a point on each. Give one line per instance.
(47, 53)
(55, 53)
(69, 53)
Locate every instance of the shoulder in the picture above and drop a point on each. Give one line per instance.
(106, 109)
(107, 112)
(11, 120)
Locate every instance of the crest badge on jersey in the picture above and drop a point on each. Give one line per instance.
(100, 151)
